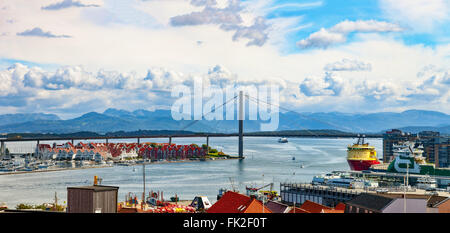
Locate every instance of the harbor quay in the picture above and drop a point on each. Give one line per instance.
(297, 193)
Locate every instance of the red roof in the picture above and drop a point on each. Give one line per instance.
(332, 211)
(297, 210)
(313, 207)
(232, 202)
(340, 206)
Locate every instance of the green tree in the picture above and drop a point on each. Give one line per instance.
(213, 151)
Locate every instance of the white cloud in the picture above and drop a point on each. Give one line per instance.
(203, 2)
(229, 19)
(37, 31)
(434, 81)
(420, 15)
(109, 53)
(211, 15)
(67, 4)
(339, 32)
(348, 65)
(322, 39)
(365, 26)
(256, 32)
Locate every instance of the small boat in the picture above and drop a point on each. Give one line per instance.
(426, 183)
(42, 166)
(25, 169)
(282, 140)
(302, 166)
(293, 158)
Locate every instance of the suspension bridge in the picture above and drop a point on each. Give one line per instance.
(240, 134)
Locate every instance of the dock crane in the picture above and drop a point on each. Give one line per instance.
(232, 184)
(254, 192)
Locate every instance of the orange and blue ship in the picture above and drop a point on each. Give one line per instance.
(360, 156)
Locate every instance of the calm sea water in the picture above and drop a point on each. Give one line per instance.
(266, 161)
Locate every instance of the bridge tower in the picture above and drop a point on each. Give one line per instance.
(241, 125)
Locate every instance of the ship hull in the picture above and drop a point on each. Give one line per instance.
(361, 165)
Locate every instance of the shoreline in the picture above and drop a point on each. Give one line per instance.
(113, 165)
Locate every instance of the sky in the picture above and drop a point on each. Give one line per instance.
(70, 57)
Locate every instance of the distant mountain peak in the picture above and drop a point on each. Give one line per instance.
(122, 120)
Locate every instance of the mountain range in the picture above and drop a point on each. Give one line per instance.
(121, 120)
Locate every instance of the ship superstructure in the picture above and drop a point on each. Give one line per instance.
(360, 156)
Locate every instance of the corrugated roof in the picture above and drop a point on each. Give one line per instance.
(371, 201)
(96, 188)
(435, 201)
(297, 210)
(313, 207)
(276, 207)
(232, 202)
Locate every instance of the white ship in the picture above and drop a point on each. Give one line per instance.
(426, 183)
(283, 140)
(407, 149)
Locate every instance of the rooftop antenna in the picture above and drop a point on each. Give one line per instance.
(143, 180)
(404, 193)
(263, 194)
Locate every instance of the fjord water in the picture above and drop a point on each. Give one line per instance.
(266, 161)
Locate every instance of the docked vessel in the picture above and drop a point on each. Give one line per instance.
(283, 140)
(360, 156)
(323, 179)
(426, 183)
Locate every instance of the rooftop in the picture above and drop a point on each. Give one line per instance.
(96, 188)
(313, 207)
(371, 201)
(233, 202)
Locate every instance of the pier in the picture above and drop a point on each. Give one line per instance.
(298, 193)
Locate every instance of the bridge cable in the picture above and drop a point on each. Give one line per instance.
(257, 102)
(213, 110)
(301, 115)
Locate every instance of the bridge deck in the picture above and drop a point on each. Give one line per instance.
(177, 136)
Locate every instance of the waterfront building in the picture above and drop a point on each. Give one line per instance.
(441, 152)
(327, 196)
(118, 151)
(172, 152)
(92, 199)
(436, 148)
(387, 203)
(392, 137)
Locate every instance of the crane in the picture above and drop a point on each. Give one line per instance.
(254, 191)
(232, 184)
